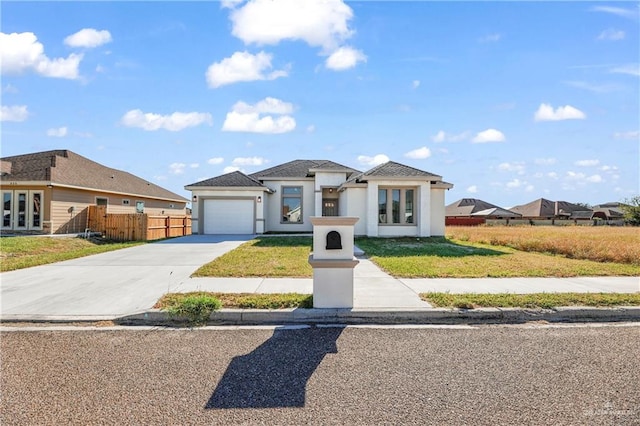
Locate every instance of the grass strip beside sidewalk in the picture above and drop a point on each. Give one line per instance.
(530, 301)
(243, 300)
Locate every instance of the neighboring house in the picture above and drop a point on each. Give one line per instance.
(474, 208)
(391, 199)
(609, 211)
(49, 192)
(542, 209)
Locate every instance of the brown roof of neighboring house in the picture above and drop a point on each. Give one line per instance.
(547, 208)
(64, 167)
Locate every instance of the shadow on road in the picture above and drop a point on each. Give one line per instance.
(275, 374)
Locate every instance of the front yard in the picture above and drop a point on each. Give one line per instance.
(410, 258)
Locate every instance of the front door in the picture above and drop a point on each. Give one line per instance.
(329, 207)
(22, 210)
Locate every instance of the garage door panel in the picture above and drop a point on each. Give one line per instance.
(228, 217)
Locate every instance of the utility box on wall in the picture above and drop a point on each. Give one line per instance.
(333, 261)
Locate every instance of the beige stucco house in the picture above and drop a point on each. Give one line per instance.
(391, 199)
(50, 192)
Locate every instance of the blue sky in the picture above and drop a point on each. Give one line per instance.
(509, 101)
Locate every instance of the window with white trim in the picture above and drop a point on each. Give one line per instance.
(396, 206)
(291, 204)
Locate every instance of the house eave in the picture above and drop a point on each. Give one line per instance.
(106, 191)
(228, 188)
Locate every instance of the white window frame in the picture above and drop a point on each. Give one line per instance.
(283, 196)
(31, 210)
(11, 216)
(403, 204)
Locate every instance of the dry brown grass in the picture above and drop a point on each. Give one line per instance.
(601, 244)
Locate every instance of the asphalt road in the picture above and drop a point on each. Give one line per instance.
(499, 375)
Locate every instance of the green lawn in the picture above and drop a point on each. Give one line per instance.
(242, 300)
(25, 252)
(409, 258)
(531, 301)
(263, 257)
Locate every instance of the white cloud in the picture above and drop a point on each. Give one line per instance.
(619, 11)
(194, 165)
(9, 89)
(515, 183)
(177, 168)
(230, 169)
(582, 179)
(490, 38)
(323, 23)
(630, 69)
(489, 135)
(21, 52)
(372, 161)
(552, 175)
(595, 88)
(529, 188)
(546, 113)
(60, 132)
(634, 134)
(215, 160)
(415, 84)
(14, 113)
(248, 161)
(545, 161)
(174, 122)
(517, 167)
(419, 154)
(311, 128)
(611, 34)
(344, 58)
(247, 118)
(587, 163)
(88, 37)
(473, 189)
(242, 66)
(443, 136)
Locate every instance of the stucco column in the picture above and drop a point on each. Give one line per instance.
(372, 209)
(425, 210)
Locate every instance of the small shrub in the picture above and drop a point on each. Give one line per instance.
(195, 308)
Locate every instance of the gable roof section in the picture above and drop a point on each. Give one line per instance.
(467, 207)
(64, 167)
(233, 179)
(547, 208)
(393, 170)
(301, 169)
(496, 212)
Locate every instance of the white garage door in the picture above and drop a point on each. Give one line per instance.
(228, 216)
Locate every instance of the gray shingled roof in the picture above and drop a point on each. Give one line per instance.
(391, 169)
(547, 208)
(233, 179)
(496, 212)
(65, 167)
(300, 169)
(467, 207)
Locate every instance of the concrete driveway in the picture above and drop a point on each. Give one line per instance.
(111, 284)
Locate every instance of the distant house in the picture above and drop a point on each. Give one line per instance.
(542, 209)
(609, 211)
(391, 199)
(473, 208)
(50, 192)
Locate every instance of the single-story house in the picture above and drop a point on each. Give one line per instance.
(542, 209)
(50, 192)
(391, 199)
(609, 211)
(474, 208)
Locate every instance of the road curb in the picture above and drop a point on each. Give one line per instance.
(397, 316)
(155, 317)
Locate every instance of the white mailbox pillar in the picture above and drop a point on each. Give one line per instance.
(333, 261)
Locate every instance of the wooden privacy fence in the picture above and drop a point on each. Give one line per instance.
(137, 227)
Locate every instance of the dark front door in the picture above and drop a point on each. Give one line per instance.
(329, 207)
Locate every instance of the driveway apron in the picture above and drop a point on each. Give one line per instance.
(110, 284)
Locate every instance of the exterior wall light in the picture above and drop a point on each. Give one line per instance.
(259, 199)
